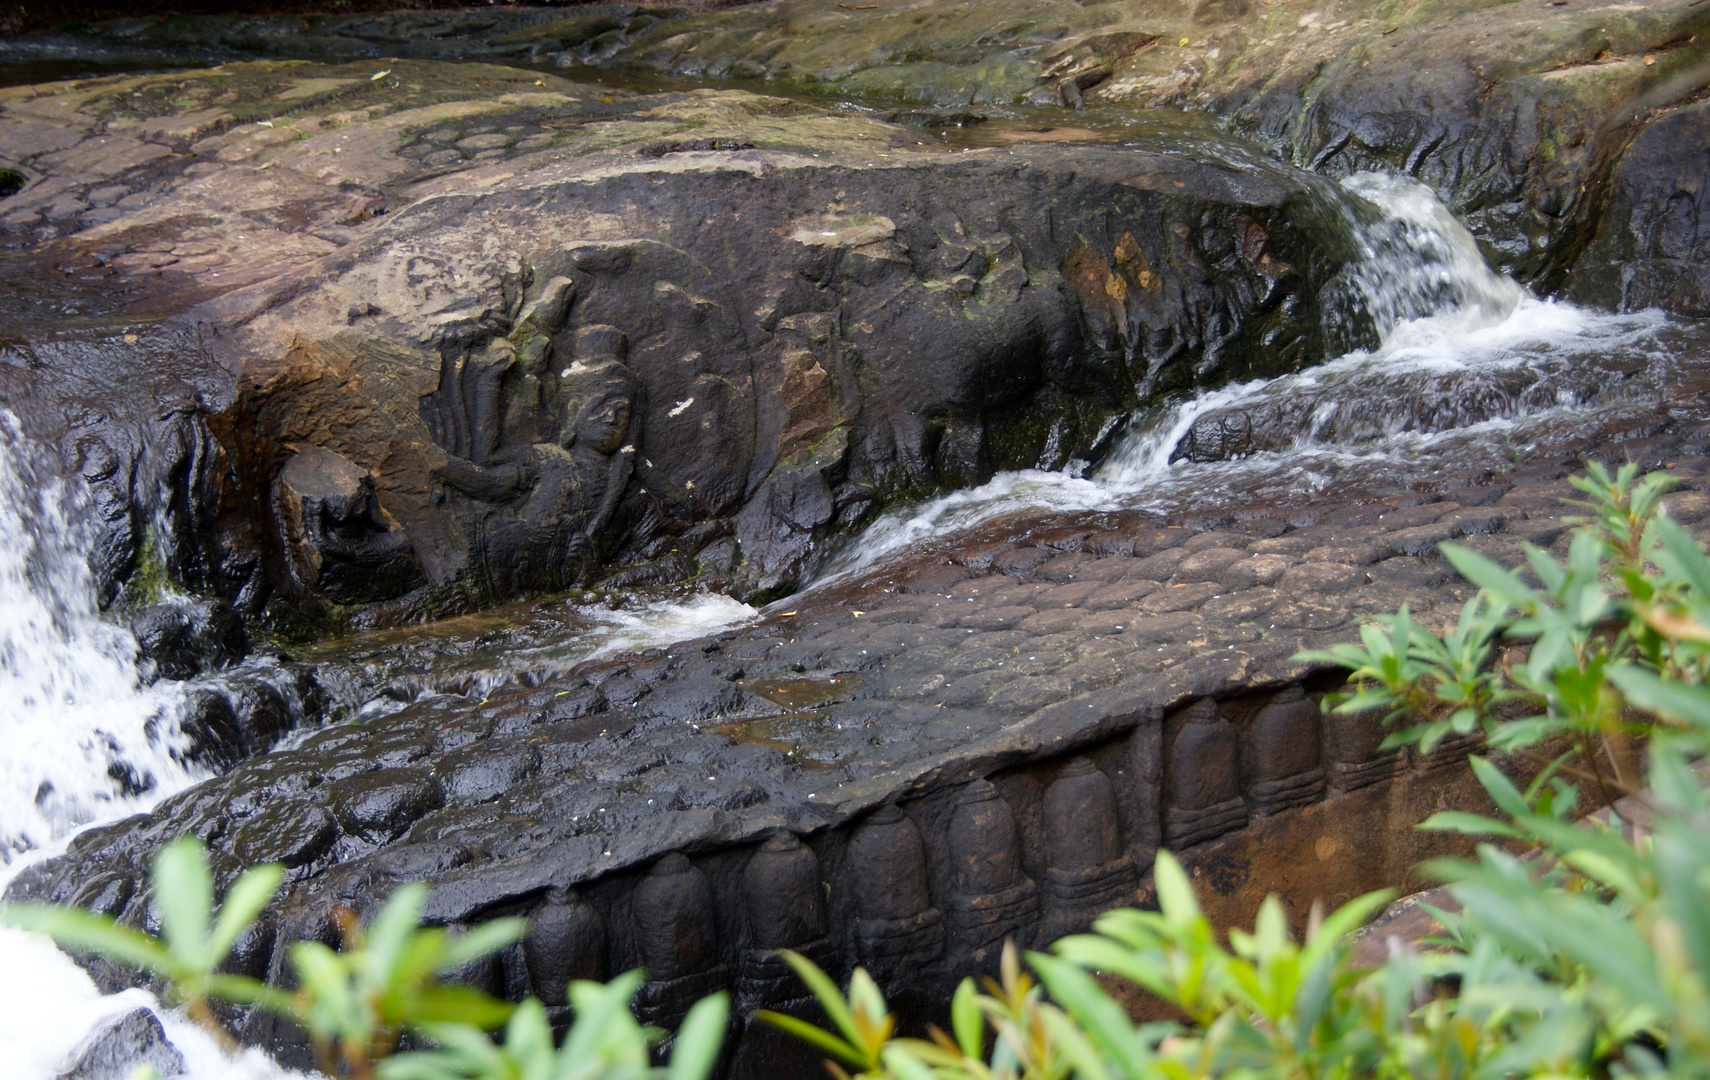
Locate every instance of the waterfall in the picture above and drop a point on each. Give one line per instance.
(85, 742)
(1420, 263)
(1470, 367)
(85, 739)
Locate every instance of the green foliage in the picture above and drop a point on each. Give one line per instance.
(390, 975)
(604, 1043)
(356, 1002)
(1632, 597)
(194, 941)
(1586, 956)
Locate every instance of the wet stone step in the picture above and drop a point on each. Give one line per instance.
(916, 765)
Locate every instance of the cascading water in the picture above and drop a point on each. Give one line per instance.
(88, 739)
(84, 738)
(1471, 370)
(85, 742)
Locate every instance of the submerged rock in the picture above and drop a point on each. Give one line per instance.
(118, 1050)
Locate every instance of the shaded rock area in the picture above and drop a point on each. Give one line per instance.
(996, 743)
(424, 337)
(1519, 115)
(1653, 240)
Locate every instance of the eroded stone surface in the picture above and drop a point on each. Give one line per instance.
(972, 752)
(1518, 115)
(462, 333)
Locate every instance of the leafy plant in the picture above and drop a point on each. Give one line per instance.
(195, 938)
(1583, 945)
(604, 1043)
(1632, 594)
(389, 976)
(355, 1002)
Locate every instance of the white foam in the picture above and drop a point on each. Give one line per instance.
(72, 710)
(1466, 359)
(72, 705)
(663, 622)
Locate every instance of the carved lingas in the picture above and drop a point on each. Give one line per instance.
(1451, 750)
(1089, 873)
(1351, 742)
(1202, 777)
(785, 903)
(677, 939)
(566, 940)
(994, 899)
(896, 925)
(1279, 754)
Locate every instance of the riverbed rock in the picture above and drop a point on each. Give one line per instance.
(423, 375)
(1517, 115)
(118, 1049)
(1650, 246)
(935, 779)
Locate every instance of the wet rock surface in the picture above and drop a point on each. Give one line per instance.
(123, 1046)
(359, 342)
(1650, 244)
(994, 743)
(1518, 116)
(436, 336)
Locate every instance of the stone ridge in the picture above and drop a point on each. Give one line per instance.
(995, 744)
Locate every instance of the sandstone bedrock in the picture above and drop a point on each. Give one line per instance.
(994, 745)
(385, 318)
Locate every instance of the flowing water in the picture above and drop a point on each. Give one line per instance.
(88, 739)
(1471, 372)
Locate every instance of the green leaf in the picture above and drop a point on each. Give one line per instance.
(905, 1066)
(598, 1009)
(243, 990)
(1647, 690)
(483, 940)
(325, 1004)
(1350, 917)
(699, 1039)
(1175, 892)
(455, 1003)
(866, 998)
(528, 1037)
(184, 893)
(85, 931)
(243, 903)
(1073, 1044)
(1470, 824)
(1502, 791)
(1486, 573)
(966, 1020)
(1105, 1022)
(814, 1036)
(826, 993)
(1685, 554)
(388, 936)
